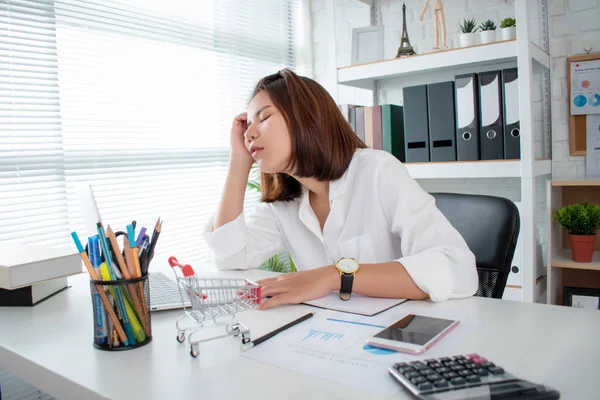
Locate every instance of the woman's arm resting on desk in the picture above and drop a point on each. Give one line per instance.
(388, 279)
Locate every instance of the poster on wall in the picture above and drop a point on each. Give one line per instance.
(592, 159)
(585, 87)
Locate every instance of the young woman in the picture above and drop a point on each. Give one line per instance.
(351, 217)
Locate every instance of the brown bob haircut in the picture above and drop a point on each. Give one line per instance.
(323, 142)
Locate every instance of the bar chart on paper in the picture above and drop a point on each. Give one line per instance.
(316, 334)
(335, 348)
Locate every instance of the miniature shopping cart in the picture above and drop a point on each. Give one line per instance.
(212, 303)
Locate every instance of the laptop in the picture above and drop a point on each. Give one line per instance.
(164, 293)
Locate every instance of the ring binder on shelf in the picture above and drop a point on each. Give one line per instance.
(490, 116)
(512, 130)
(467, 117)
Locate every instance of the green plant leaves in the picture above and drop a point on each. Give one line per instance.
(468, 25)
(488, 25)
(508, 22)
(579, 219)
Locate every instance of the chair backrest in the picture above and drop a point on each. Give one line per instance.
(490, 225)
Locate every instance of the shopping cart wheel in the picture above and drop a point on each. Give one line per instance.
(181, 336)
(194, 350)
(245, 339)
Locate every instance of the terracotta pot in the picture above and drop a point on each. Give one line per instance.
(582, 247)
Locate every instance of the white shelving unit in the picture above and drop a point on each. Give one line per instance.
(562, 270)
(443, 65)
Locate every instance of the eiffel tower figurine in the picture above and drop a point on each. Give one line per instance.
(405, 48)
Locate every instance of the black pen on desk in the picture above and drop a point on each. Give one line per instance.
(269, 335)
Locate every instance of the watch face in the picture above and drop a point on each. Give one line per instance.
(347, 265)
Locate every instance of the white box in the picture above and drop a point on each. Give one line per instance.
(23, 265)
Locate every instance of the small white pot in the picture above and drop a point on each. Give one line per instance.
(468, 39)
(488, 36)
(509, 33)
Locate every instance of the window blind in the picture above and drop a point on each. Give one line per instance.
(138, 102)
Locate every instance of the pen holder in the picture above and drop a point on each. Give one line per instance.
(121, 313)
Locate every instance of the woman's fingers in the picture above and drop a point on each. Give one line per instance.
(285, 298)
(273, 289)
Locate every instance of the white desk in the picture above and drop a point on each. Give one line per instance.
(50, 346)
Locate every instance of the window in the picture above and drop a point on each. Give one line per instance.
(134, 98)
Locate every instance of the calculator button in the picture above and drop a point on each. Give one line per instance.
(457, 367)
(418, 379)
(482, 372)
(431, 360)
(442, 370)
(411, 374)
(487, 365)
(425, 386)
(404, 370)
(450, 375)
(434, 377)
(472, 356)
(426, 371)
(418, 365)
(457, 381)
(444, 359)
(472, 379)
(465, 372)
(456, 358)
(441, 383)
(496, 370)
(450, 364)
(462, 361)
(471, 365)
(400, 365)
(436, 365)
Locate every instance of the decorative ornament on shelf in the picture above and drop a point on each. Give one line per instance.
(468, 28)
(438, 19)
(405, 48)
(487, 31)
(509, 28)
(582, 221)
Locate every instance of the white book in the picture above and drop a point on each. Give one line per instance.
(24, 265)
(33, 294)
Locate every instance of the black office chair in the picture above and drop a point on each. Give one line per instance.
(490, 226)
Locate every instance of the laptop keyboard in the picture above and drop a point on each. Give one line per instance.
(163, 291)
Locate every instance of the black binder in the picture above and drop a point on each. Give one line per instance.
(442, 138)
(467, 117)
(512, 132)
(491, 130)
(416, 125)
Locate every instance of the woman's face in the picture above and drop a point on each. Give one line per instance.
(267, 138)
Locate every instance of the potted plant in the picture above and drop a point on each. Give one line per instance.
(488, 31)
(509, 28)
(468, 28)
(582, 221)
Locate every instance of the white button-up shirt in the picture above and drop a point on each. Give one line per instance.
(378, 214)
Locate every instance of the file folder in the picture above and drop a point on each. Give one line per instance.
(392, 130)
(467, 117)
(442, 139)
(512, 132)
(491, 132)
(416, 124)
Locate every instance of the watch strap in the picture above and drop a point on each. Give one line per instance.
(346, 286)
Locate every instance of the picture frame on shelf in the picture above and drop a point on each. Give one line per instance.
(367, 44)
(577, 297)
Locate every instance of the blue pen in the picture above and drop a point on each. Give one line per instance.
(101, 320)
(113, 276)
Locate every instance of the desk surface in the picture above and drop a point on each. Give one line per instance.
(50, 345)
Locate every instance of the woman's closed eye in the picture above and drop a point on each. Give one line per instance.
(265, 118)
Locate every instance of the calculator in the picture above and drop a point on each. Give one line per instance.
(469, 376)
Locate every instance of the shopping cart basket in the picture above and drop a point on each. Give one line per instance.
(213, 303)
